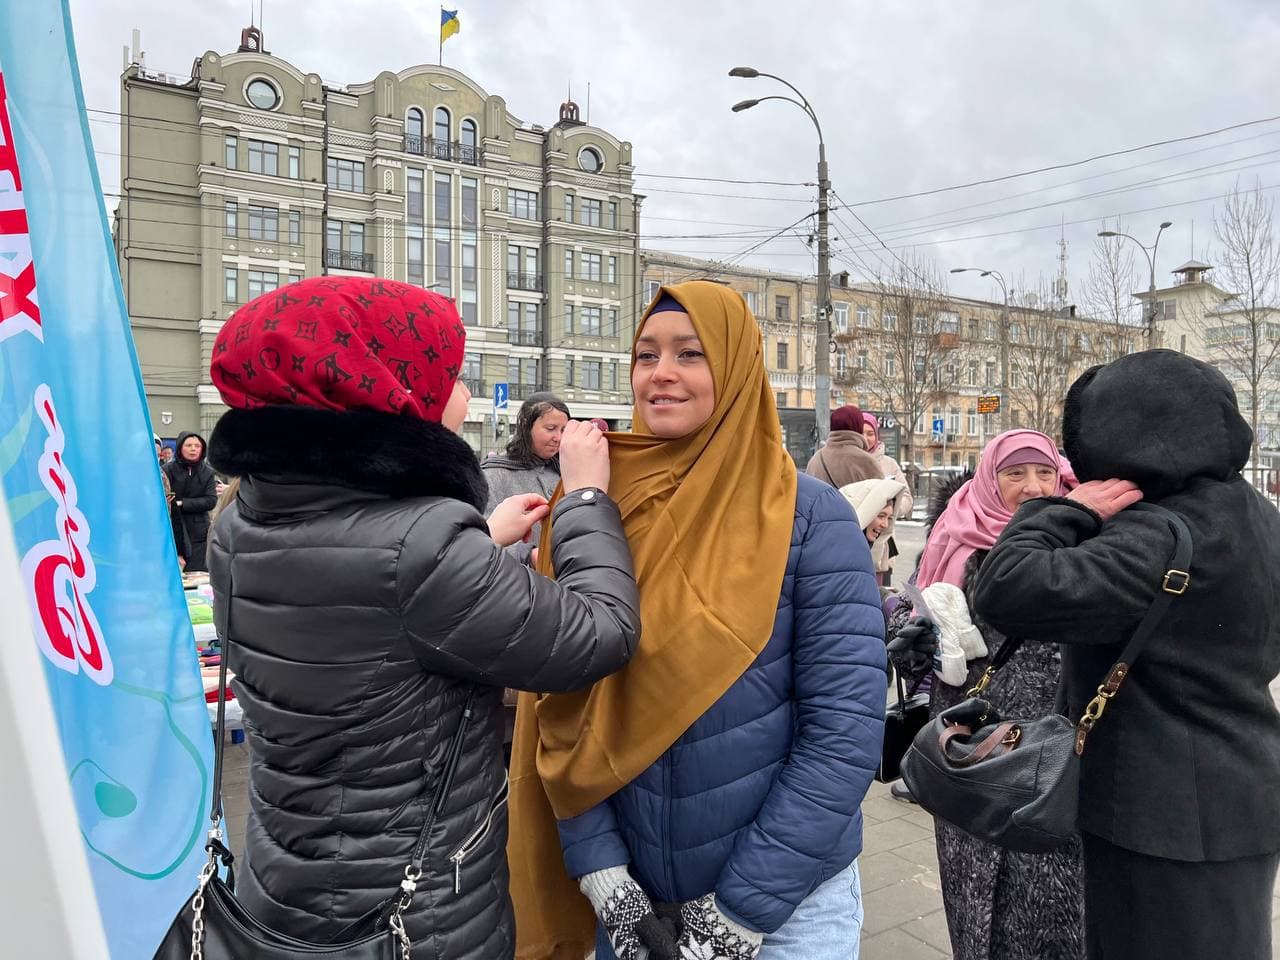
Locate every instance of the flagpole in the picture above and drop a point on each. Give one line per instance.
(440, 27)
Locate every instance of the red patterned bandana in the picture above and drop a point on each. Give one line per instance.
(342, 343)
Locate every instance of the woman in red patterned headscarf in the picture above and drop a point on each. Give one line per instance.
(371, 616)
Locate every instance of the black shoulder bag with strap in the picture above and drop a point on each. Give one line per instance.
(213, 925)
(1016, 783)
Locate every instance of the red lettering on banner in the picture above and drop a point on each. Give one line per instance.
(59, 574)
(19, 308)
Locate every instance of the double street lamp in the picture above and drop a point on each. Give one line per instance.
(1151, 262)
(822, 358)
(1004, 339)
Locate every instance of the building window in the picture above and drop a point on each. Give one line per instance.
(591, 374)
(262, 94)
(613, 377)
(784, 360)
(414, 128)
(229, 154)
(569, 372)
(568, 208)
(1015, 333)
(782, 308)
(264, 223)
(591, 321)
(568, 263)
(973, 422)
(231, 285)
(611, 221)
(842, 317)
(842, 362)
(444, 200)
(651, 288)
(345, 175)
(295, 278)
(590, 161)
(261, 282)
(233, 216)
(864, 317)
(264, 158)
(417, 271)
(753, 300)
(991, 373)
(295, 226)
(592, 267)
(295, 163)
(953, 421)
(333, 236)
(611, 275)
(470, 204)
(890, 365)
(468, 304)
(569, 310)
(862, 360)
(989, 330)
(414, 194)
(973, 329)
(611, 329)
(522, 204)
(921, 324)
(470, 151)
(890, 321)
(971, 374)
(444, 124)
(355, 239)
(444, 266)
(592, 212)
(472, 366)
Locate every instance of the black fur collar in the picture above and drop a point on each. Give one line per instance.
(942, 495)
(391, 454)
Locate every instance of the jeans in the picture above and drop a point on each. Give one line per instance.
(826, 926)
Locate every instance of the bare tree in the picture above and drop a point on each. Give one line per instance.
(1242, 336)
(1109, 291)
(911, 336)
(1047, 350)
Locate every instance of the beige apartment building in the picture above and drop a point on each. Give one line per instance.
(956, 350)
(254, 172)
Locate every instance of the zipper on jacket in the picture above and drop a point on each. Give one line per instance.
(666, 824)
(468, 845)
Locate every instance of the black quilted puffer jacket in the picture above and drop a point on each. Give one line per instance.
(363, 600)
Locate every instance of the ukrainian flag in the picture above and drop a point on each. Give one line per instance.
(448, 24)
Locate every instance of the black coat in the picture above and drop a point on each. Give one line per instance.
(363, 599)
(195, 485)
(1185, 763)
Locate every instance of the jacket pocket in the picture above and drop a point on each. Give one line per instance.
(477, 836)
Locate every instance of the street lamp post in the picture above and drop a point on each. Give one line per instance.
(1151, 289)
(822, 358)
(1004, 340)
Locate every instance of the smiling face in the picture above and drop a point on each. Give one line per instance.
(1026, 481)
(869, 434)
(546, 433)
(880, 524)
(670, 376)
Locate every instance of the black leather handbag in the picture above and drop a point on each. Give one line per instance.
(213, 925)
(1016, 783)
(902, 722)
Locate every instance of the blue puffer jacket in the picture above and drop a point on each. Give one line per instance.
(759, 800)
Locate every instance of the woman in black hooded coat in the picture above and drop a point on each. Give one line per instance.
(1180, 782)
(195, 492)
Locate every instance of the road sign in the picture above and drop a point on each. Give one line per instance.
(988, 404)
(939, 428)
(501, 396)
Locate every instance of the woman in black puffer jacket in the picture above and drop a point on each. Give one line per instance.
(364, 600)
(195, 491)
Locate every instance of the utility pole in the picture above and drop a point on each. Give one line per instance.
(822, 356)
(1003, 419)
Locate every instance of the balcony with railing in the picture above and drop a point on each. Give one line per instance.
(523, 281)
(442, 149)
(523, 391)
(346, 260)
(526, 337)
(479, 388)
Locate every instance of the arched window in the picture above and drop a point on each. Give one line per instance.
(414, 131)
(442, 133)
(468, 138)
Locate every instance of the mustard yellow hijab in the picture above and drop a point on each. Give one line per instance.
(708, 518)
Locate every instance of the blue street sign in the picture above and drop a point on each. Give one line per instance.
(500, 396)
(939, 426)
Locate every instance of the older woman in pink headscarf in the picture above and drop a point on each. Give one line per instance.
(1001, 905)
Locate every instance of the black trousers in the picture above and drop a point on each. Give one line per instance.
(1139, 907)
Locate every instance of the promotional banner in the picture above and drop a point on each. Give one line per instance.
(79, 475)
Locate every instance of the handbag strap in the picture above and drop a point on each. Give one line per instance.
(1176, 580)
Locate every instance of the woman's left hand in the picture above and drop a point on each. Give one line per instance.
(1106, 498)
(513, 520)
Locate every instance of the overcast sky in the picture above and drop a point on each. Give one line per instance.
(913, 96)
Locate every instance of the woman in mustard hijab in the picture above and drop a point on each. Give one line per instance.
(704, 801)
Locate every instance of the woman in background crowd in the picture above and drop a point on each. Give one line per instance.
(195, 492)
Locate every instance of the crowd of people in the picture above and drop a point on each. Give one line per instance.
(705, 636)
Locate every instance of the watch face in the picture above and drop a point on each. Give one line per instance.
(262, 95)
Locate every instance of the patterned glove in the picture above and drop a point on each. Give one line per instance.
(622, 907)
(913, 648)
(709, 935)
